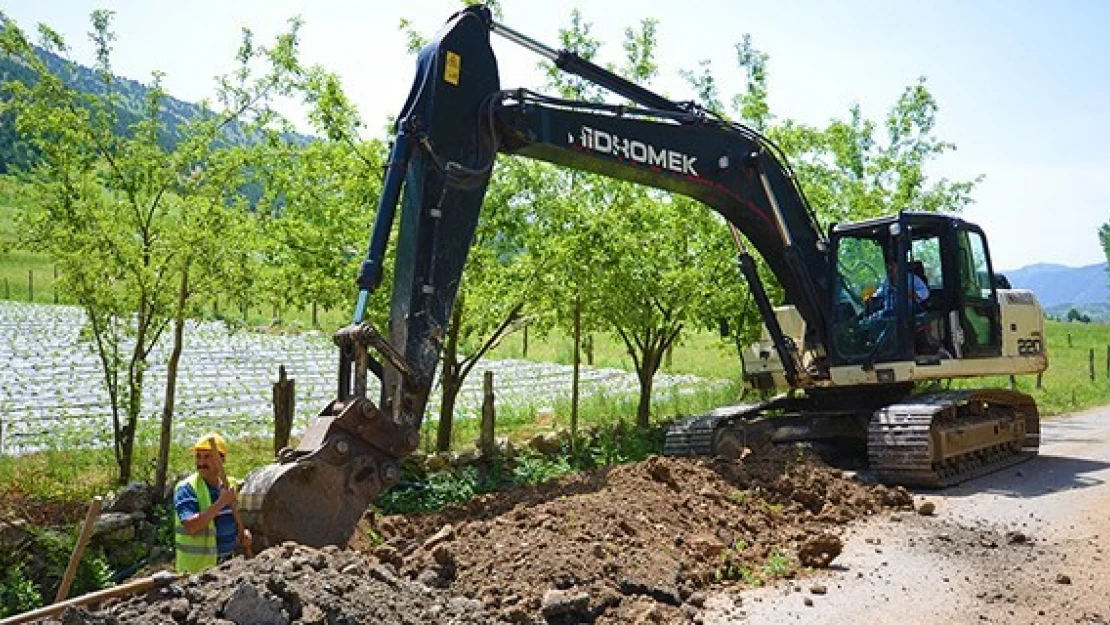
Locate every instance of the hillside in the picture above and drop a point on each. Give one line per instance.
(16, 154)
(1061, 288)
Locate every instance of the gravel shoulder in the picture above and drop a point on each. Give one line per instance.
(1030, 544)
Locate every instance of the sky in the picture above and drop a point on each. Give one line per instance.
(1022, 85)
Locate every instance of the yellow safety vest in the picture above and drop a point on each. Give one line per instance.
(195, 552)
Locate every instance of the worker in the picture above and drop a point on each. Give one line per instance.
(918, 290)
(204, 524)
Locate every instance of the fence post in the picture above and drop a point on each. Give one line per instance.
(1069, 339)
(7, 289)
(30, 285)
(524, 348)
(315, 317)
(489, 415)
(1039, 387)
(1091, 363)
(284, 400)
(1013, 382)
(55, 285)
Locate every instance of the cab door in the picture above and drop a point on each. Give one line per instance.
(978, 329)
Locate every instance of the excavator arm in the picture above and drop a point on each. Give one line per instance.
(454, 123)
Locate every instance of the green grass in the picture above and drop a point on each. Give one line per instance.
(702, 354)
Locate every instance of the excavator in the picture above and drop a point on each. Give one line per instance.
(860, 349)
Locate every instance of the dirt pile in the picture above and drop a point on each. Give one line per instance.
(292, 584)
(634, 543)
(629, 544)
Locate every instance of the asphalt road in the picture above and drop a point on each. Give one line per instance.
(1028, 544)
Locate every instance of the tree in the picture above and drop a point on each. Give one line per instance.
(133, 226)
(637, 262)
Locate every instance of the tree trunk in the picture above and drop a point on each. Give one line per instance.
(450, 380)
(166, 434)
(643, 408)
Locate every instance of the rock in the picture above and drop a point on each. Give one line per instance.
(135, 497)
(819, 589)
(114, 527)
(808, 602)
(927, 508)
(389, 554)
(1063, 579)
(13, 534)
(1016, 538)
(565, 605)
(819, 551)
(246, 606)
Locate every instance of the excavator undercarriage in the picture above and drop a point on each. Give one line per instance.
(929, 440)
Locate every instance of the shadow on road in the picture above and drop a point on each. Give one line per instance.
(1043, 475)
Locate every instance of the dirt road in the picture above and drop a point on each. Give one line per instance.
(1030, 544)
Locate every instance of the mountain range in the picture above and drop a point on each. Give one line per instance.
(1060, 288)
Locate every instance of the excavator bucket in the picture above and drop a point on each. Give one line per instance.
(317, 492)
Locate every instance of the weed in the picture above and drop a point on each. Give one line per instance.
(777, 565)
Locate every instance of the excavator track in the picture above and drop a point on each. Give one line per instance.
(696, 435)
(942, 439)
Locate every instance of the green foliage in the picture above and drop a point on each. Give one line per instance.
(778, 565)
(34, 571)
(18, 594)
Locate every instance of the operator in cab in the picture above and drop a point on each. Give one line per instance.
(205, 530)
(884, 295)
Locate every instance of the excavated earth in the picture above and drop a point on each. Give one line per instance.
(638, 543)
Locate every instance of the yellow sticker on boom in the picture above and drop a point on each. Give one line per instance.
(451, 68)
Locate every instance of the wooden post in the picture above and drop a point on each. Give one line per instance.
(1013, 382)
(216, 305)
(79, 549)
(30, 285)
(524, 348)
(1069, 339)
(284, 405)
(1039, 376)
(55, 284)
(1091, 363)
(489, 416)
(315, 317)
(161, 578)
(576, 375)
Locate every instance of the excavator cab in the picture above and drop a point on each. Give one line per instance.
(912, 287)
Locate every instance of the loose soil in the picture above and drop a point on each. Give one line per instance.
(640, 543)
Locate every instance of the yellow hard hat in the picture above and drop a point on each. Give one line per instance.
(205, 443)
